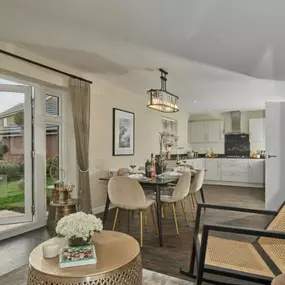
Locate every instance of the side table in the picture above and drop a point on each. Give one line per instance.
(118, 262)
(57, 211)
(278, 280)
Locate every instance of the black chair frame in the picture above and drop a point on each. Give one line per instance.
(199, 248)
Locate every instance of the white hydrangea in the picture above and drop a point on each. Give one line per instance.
(79, 225)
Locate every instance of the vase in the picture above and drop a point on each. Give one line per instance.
(77, 241)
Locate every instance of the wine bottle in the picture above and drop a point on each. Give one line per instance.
(152, 166)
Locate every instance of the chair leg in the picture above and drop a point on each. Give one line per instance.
(141, 228)
(115, 219)
(153, 218)
(175, 218)
(128, 213)
(162, 210)
(184, 212)
(192, 206)
(145, 219)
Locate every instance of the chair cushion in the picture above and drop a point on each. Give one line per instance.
(235, 255)
(148, 203)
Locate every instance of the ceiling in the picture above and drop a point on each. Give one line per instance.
(223, 54)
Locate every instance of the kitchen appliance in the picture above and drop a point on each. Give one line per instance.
(237, 145)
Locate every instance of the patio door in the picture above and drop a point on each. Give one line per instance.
(16, 168)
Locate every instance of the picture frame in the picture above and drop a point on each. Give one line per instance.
(123, 133)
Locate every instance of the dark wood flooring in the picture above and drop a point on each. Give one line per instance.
(176, 250)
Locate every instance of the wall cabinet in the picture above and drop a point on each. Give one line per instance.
(214, 170)
(257, 171)
(257, 130)
(206, 131)
(198, 132)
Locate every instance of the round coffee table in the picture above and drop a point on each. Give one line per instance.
(278, 280)
(118, 262)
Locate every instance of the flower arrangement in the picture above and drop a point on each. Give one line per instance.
(78, 228)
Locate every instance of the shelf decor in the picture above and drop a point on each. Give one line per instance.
(123, 132)
(162, 100)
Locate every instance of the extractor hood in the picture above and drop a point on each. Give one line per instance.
(236, 124)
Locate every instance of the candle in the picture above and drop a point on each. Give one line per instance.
(50, 250)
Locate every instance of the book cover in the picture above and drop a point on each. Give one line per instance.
(77, 256)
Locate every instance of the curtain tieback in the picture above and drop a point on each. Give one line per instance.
(83, 170)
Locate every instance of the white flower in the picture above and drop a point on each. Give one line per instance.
(79, 225)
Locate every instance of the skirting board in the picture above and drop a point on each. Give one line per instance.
(100, 209)
(230, 183)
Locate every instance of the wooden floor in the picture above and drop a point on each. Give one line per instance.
(176, 250)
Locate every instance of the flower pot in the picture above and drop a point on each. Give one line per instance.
(75, 241)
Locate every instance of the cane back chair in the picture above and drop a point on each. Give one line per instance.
(258, 261)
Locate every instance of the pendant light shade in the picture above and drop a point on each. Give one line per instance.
(162, 100)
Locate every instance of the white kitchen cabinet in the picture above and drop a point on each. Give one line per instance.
(214, 169)
(257, 171)
(215, 132)
(256, 130)
(235, 170)
(196, 163)
(198, 132)
(206, 132)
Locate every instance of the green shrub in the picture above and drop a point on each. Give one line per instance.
(14, 171)
(21, 184)
(52, 161)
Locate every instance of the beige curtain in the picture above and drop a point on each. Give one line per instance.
(80, 98)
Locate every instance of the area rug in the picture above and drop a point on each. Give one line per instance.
(19, 277)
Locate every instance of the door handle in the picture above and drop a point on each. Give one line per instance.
(269, 156)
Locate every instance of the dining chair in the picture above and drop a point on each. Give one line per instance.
(123, 172)
(195, 187)
(126, 193)
(179, 193)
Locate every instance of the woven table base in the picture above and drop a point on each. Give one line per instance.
(129, 274)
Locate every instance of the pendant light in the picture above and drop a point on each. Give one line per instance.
(162, 100)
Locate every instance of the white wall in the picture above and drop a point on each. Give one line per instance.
(225, 117)
(105, 97)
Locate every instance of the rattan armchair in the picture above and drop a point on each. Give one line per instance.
(259, 261)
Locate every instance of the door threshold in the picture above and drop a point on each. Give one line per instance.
(11, 230)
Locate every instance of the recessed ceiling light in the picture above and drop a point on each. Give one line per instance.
(194, 101)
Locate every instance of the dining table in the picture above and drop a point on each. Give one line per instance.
(157, 183)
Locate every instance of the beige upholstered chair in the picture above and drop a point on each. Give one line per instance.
(180, 191)
(126, 193)
(196, 186)
(123, 172)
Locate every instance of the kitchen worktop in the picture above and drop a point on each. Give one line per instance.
(182, 157)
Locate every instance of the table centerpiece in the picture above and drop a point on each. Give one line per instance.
(78, 228)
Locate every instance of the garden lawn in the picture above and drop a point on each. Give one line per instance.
(12, 196)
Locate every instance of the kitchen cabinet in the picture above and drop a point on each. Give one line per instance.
(257, 130)
(198, 132)
(196, 163)
(206, 132)
(214, 170)
(257, 171)
(235, 170)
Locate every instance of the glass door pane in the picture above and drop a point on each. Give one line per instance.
(52, 159)
(15, 154)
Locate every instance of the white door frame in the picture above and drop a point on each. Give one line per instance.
(40, 121)
(28, 190)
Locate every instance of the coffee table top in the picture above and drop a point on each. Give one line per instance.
(113, 250)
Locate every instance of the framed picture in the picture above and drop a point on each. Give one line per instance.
(123, 132)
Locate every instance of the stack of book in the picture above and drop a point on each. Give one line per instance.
(77, 256)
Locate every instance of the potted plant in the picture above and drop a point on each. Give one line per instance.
(78, 228)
